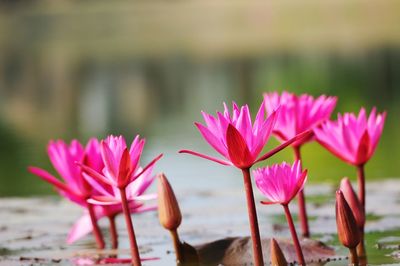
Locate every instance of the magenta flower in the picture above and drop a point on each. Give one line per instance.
(280, 183)
(135, 190)
(298, 113)
(121, 163)
(74, 187)
(122, 180)
(352, 138)
(236, 138)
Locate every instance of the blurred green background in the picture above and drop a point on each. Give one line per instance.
(75, 69)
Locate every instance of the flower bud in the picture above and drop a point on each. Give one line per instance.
(169, 213)
(352, 199)
(348, 231)
(277, 257)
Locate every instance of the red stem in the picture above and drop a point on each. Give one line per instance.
(113, 232)
(131, 232)
(302, 202)
(251, 208)
(96, 230)
(296, 242)
(353, 257)
(361, 184)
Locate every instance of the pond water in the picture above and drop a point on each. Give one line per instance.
(35, 228)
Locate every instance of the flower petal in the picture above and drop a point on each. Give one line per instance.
(238, 151)
(223, 162)
(81, 227)
(298, 137)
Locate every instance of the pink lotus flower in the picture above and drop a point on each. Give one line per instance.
(298, 113)
(121, 164)
(126, 179)
(63, 158)
(352, 138)
(111, 198)
(236, 138)
(281, 182)
(74, 187)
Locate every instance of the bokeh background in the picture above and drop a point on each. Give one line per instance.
(76, 69)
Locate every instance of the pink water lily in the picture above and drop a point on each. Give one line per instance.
(111, 198)
(121, 163)
(240, 142)
(236, 138)
(298, 113)
(122, 180)
(63, 158)
(280, 182)
(74, 186)
(352, 138)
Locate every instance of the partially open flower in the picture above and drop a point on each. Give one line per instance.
(348, 231)
(277, 257)
(169, 213)
(353, 202)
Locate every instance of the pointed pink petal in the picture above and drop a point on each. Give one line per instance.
(98, 186)
(223, 162)
(103, 200)
(124, 169)
(146, 197)
(46, 176)
(299, 185)
(237, 148)
(109, 160)
(81, 227)
(212, 139)
(95, 175)
(363, 149)
(146, 167)
(136, 152)
(298, 137)
(265, 132)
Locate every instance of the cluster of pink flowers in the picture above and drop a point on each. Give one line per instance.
(105, 177)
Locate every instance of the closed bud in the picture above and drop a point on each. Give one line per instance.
(348, 231)
(169, 213)
(353, 202)
(277, 257)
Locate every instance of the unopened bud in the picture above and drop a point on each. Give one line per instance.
(169, 213)
(348, 231)
(353, 202)
(277, 257)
